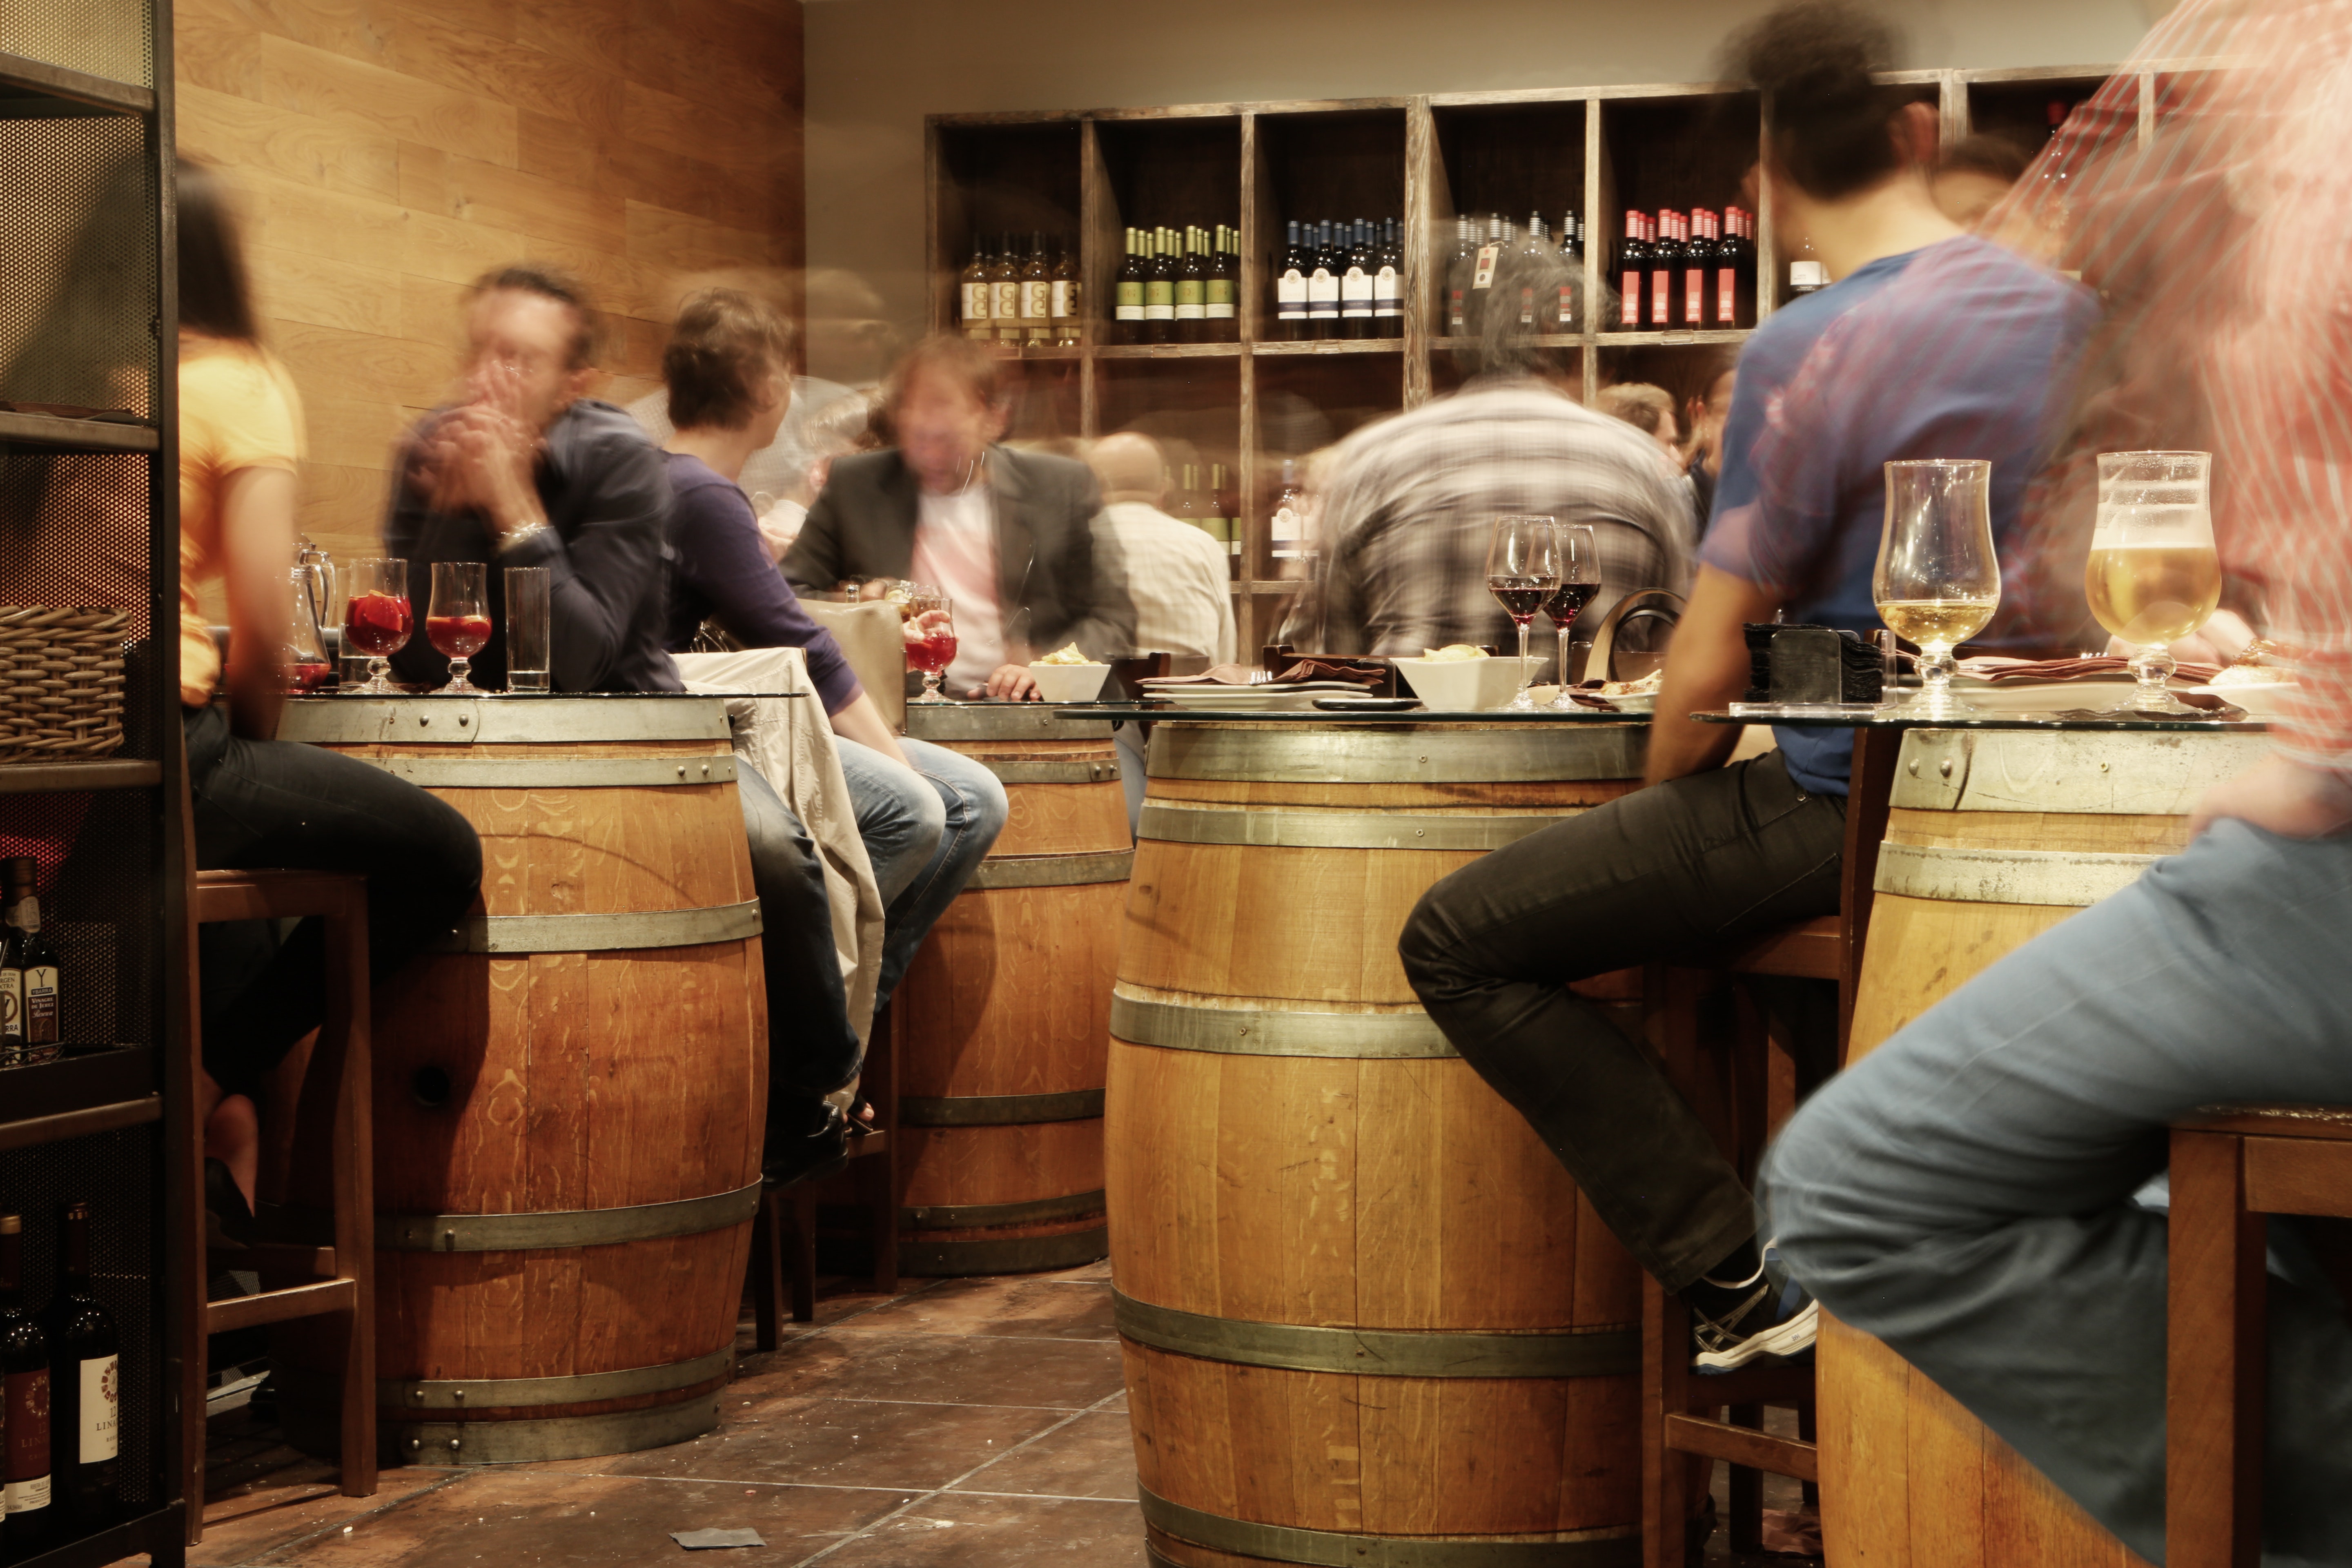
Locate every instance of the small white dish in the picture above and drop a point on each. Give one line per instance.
(1467, 685)
(1069, 682)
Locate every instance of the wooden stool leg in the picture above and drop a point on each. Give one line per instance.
(767, 1272)
(804, 1253)
(1747, 1523)
(2214, 1358)
(1809, 1431)
(344, 1034)
(1666, 1500)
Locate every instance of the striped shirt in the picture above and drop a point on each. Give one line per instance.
(1413, 501)
(2220, 250)
(1179, 581)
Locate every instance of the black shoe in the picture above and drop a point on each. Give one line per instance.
(229, 1224)
(802, 1153)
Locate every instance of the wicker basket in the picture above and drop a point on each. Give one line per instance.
(60, 683)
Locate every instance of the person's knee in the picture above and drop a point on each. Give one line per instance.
(986, 805)
(1430, 946)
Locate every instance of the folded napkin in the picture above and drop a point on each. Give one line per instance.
(1314, 667)
(1996, 669)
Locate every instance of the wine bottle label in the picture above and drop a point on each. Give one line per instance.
(1487, 256)
(1036, 300)
(1567, 306)
(1190, 299)
(1130, 305)
(1356, 293)
(1286, 530)
(26, 1431)
(11, 1004)
(1061, 297)
(1695, 296)
(1807, 275)
(1388, 293)
(41, 1007)
(1218, 298)
(1004, 302)
(1322, 292)
(1662, 285)
(1630, 312)
(101, 1409)
(1158, 301)
(975, 301)
(1726, 297)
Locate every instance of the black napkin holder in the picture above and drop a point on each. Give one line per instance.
(1793, 666)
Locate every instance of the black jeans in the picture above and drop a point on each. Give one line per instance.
(1662, 872)
(262, 803)
(812, 1043)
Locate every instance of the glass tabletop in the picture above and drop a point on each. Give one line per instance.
(1169, 713)
(1901, 717)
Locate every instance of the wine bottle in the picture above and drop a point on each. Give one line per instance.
(1216, 512)
(1699, 261)
(1633, 265)
(1356, 281)
(1482, 277)
(1069, 324)
(1458, 270)
(1158, 290)
(1036, 296)
(972, 296)
(1807, 272)
(1323, 286)
(1290, 289)
(1223, 288)
(1185, 506)
(85, 1384)
(1532, 251)
(1191, 289)
(1286, 523)
(1388, 283)
(1127, 293)
(1005, 292)
(1666, 262)
(1567, 310)
(36, 970)
(25, 1407)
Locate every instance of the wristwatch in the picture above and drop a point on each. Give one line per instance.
(510, 542)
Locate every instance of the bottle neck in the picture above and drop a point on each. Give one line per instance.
(73, 1269)
(24, 911)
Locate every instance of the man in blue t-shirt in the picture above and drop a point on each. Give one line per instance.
(1931, 345)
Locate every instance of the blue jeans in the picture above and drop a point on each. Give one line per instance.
(925, 832)
(1965, 1192)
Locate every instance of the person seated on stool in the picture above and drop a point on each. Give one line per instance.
(257, 802)
(1012, 538)
(927, 815)
(526, 470)
(1930, 345)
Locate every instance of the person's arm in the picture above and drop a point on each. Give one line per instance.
(256, 543)
(862, 721)
(720, 554)
(1706, 670)
(598, 574)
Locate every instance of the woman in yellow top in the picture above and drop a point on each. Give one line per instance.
(261, 801)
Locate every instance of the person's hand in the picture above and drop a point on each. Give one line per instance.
(1011, 683)
(2220, 639)
(2279, 797)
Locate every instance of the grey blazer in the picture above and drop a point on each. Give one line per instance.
(1061, 578)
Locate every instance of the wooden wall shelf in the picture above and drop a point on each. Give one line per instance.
(1084, 176)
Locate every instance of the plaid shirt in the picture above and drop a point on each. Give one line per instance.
(1179, 581)
(2220, 250)
(1413, 501)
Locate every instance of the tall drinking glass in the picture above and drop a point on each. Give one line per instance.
(1522, 573)
(1937, 582)
(308, 668)
(527, 637)
(2153, 577)
(1579, 580)
(927, 623)
(457, 620)
(377, 620)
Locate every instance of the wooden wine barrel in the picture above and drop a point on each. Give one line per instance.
(568, 1096)
(1003, 1015)
(1365, 1314)
(1994, 837)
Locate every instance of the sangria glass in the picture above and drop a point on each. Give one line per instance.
(929, 629)
(457, 621)
(377, 620)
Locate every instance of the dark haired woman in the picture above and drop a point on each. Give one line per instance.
(260, 802)
(1928, 343)
(926, 815)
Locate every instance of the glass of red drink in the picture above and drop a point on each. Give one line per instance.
(457, 621)
(929, 629)
(1579, 580)
(377, 619)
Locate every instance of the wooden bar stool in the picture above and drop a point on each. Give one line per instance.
(1678, 1405)
(783, 1237)
(2230, 1169)
(335, 1283)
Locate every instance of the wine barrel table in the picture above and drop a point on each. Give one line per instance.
(1993, 837)
(1364, 1313)
(567, 1093)
(1003, 1018)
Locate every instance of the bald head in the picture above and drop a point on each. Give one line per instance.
(1129, 468)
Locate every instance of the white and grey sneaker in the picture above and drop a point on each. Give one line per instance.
(1777, 1318)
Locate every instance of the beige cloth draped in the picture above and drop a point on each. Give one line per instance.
(790, 740)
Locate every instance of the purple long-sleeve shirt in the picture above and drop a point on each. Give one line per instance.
(720, 570)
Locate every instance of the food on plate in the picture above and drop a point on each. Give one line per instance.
(1646, 687)
(1069, 654)
(2253, 674)
(1454, 652)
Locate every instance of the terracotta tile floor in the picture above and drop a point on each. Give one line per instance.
(977, 1423)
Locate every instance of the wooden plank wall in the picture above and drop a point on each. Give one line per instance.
(390, 150)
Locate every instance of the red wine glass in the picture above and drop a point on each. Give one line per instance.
(1579, 580)
(457, 622)
(930, 633)
(377, 619)
(1522, 573)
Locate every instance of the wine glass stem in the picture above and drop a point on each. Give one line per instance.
(1935, 672)
(2154, 667)
(1523, 656)
(377, 670)
(1561, 672)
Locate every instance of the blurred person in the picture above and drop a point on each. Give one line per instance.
(1928, 343)
(926, 815)
(1179, 577)
(258, 801)
(526, 470)
(1706, 416)
(1410, 505)
(1010, 537)
(845, 426)
(1969, 1192)
(1974, 172)
(1649, 409)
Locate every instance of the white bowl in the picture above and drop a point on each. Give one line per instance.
(1069, 682)
(1466, 685)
